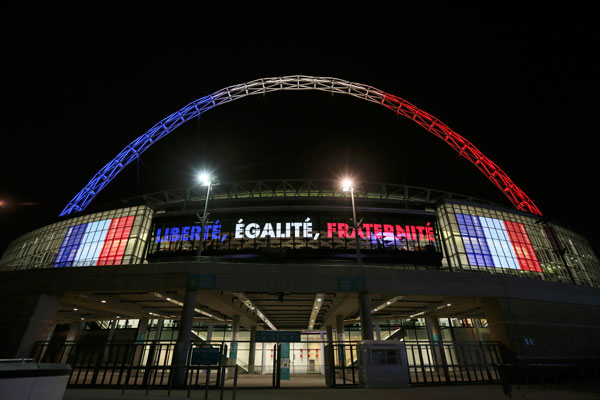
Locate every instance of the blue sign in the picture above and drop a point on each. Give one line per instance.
(284, 358)
(278, 336)
(233, 348)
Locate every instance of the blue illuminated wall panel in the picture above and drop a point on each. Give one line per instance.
(478, 252)
(492, 242)
(95, 243)
(68, 249)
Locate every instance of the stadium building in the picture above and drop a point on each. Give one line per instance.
(291, 276)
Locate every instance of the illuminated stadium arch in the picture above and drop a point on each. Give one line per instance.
(298, 82)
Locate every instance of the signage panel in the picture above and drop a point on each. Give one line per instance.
(205, 356)
(278, 336)
(202, 281)
(285, 362)
(351, 284)
(233, 348)
(319, 233)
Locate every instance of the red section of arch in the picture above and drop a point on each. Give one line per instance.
(464, 148)
(116, 239)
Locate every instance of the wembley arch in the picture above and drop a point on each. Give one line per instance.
(292, 83)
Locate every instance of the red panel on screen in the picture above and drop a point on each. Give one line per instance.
(115, 241)
(522, 245)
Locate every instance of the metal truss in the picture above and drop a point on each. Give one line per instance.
(298, 82)
(302, 188)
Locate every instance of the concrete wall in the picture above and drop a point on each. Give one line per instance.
(24, 320)
(543, 331)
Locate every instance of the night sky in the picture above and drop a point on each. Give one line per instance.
(522, 87)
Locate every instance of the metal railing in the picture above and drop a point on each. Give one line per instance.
(128, 364)
(428, 363)
(454, 362)
(148, 364)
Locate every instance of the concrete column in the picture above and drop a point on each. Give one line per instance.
(339, 327)
(25, 320)
(433, 328)
(72, 335)
(159, 326)
(111, 330)
(109, 338)
(209, 331)
(498, 322)
(75, 330)
(366, 320)
(322, 355)
(435, 337)
(329, 332)
(377, 330)
(235, 327)
(263, 367)
(142, 334)
(252, 350)
(182, 346)
(341, 351)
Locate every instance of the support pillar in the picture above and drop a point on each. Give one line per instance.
(142, 334)
(109, 338)
(366, 320)
(182, 346)
(437, 345)
(341, 351)
(339, 327)
(111, 330)
(433, 329)
(75, 330)
(377, 330)
(25, 320)
(263, 367)
(209, 331)
(322, 353)
(233, 346)
(72, 335)
(329, 331)
(235, 327)
(252, 350)
(159, 327)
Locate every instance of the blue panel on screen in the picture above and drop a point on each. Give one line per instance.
(70, 245)
(476, 246)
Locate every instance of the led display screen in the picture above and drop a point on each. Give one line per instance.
(95, 243)
(491, 242)
(316, 232)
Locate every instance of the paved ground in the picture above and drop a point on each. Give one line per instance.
(466, 392)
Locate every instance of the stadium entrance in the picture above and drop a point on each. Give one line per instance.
(129, 338)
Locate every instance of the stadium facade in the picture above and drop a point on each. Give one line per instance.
(281, 256)
(127, 291)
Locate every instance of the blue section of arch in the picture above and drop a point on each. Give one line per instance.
(132, 151)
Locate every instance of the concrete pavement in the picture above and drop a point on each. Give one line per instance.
(458, 392)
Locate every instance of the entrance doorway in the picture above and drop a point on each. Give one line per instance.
(288, 364)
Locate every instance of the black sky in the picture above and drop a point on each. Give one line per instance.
(522, 86)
